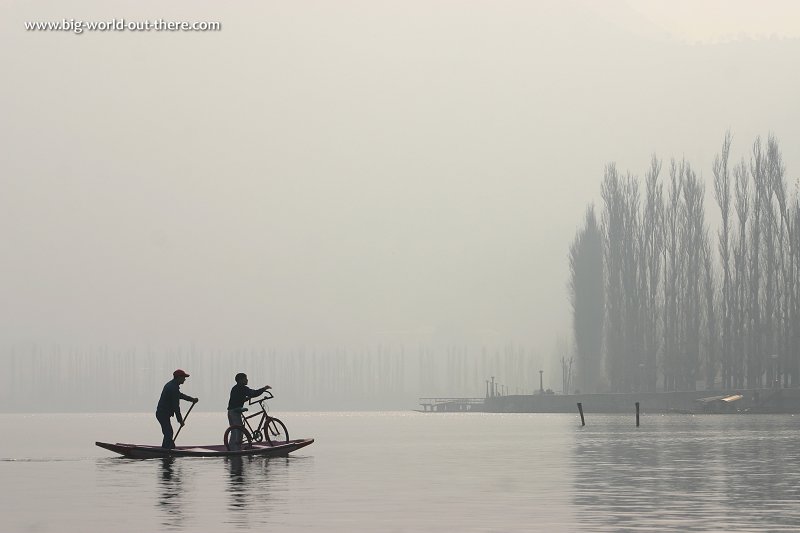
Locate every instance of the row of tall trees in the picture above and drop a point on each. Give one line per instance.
(661, 302)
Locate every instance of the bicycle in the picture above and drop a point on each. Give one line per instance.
(268, 427)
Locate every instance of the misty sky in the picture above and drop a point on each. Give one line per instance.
(350, 172)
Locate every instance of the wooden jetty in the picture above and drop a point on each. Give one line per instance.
(451, 405)
(771, 401)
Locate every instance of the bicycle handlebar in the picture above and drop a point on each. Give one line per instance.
(267, 396)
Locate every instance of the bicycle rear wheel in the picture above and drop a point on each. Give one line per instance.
(276, 432)
(230, 438)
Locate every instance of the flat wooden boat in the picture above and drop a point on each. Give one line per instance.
(143, 451)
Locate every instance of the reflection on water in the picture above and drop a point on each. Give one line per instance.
(170, 492)
(236, 486)
(736, 476)
(252, 483)
(419, 473)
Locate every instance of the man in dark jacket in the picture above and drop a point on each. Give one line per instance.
(240, 393)
(169, 405)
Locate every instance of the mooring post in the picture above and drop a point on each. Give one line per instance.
(637, 414)
(580, 410)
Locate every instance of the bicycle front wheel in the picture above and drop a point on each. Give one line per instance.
(276, 432)
(234, 442)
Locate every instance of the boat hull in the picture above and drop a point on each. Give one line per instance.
(142, 451)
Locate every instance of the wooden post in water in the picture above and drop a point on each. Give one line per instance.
(580, 410)
(637, 414)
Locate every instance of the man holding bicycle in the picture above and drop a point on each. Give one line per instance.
(169, 405)
(240, 393)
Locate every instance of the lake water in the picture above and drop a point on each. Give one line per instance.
(407, 471)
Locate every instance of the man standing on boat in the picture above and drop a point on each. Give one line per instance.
(169, 405)
(240, 393)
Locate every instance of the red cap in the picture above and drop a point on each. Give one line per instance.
(180, 374)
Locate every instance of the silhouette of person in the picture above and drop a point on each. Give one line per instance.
(240, 393)
(169, 406)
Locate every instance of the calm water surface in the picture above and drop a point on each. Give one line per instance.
(410, 472)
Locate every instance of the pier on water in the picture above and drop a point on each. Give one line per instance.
(771, 401)
(451, 405)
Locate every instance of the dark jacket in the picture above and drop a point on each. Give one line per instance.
(169, 403)
(241, 393)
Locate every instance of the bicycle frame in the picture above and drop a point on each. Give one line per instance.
(265, 418)
(268, 428)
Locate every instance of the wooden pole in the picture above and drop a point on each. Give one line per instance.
(184, 423)
(580, 410)
(637, 414)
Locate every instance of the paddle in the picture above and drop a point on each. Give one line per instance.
(184, 423)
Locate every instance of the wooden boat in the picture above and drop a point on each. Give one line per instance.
(143, 451)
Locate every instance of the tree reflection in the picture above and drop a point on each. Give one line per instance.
(685, 473)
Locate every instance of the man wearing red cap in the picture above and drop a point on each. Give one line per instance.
(169, 405)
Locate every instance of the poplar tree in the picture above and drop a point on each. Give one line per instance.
(587, 298)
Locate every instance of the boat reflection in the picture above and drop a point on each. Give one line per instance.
(236, 483)
(247, 482)
(170, 491)
(256, 487)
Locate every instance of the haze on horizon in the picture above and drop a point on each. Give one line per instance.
(349, 173)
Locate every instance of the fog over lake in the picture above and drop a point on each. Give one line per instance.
(382, 206)
(350, 177)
